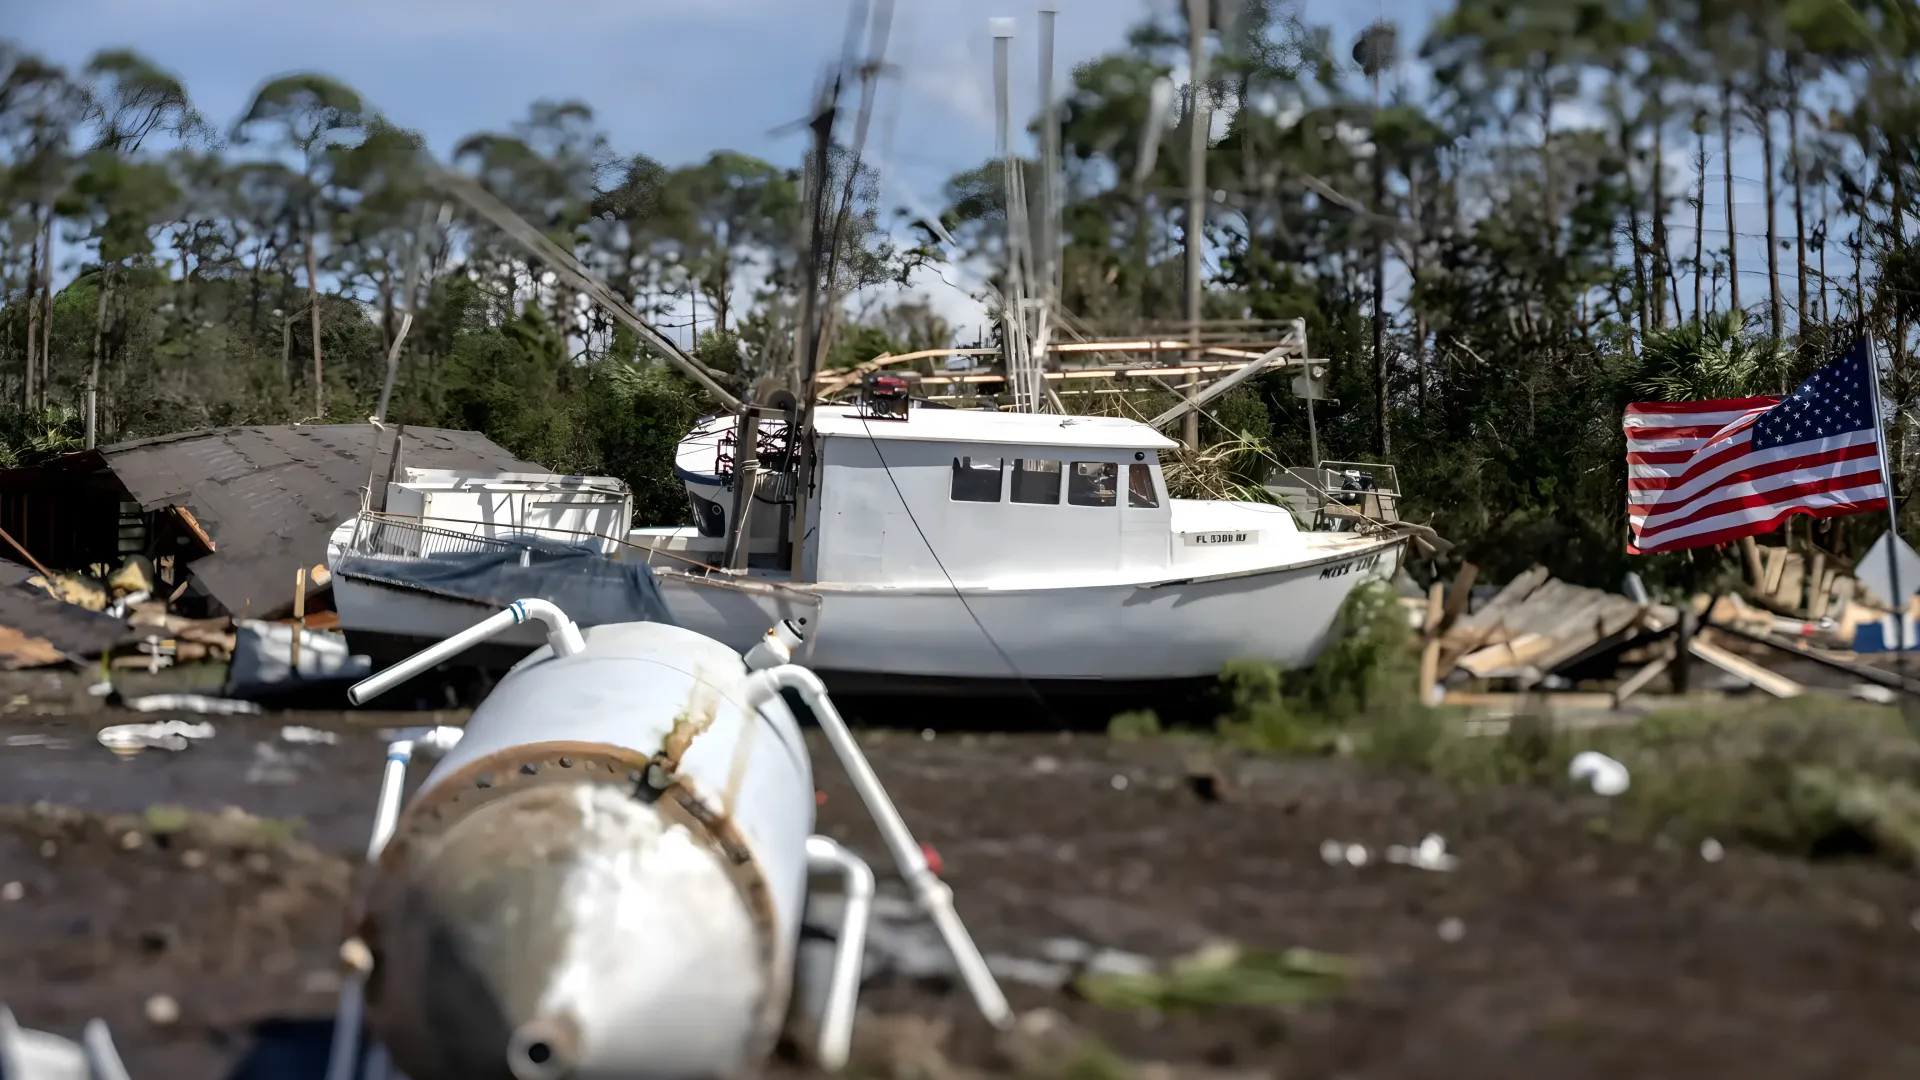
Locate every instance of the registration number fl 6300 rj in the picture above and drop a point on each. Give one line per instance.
(1219, 538)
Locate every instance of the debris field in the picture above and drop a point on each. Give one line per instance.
(1409, 928)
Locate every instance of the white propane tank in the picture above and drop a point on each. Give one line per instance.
(605, 876)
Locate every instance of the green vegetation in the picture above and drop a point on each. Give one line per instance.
(1224, 976)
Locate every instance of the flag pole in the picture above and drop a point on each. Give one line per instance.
(1893, 514)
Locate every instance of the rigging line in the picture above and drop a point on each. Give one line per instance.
(1025, 683)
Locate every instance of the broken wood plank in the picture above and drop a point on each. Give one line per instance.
(1776, 566)
(1505, 658)
(1639, 679)
(1510, 596)
(18, 650)
(1756, 569)
(193, 526)
(1746, 670)
(1459, 595)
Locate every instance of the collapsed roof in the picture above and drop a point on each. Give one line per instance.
(262, 501)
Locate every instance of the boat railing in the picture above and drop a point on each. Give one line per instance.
(400, 538)
(1340, 495)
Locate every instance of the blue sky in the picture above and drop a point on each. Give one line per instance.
(673, 79)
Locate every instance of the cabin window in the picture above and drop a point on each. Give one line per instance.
(1140, 492)
(1093, 483)
(977, 479)
(1036, 481)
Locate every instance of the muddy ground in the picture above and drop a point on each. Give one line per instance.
(1551, 950)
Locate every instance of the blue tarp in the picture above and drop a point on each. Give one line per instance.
(592, 589)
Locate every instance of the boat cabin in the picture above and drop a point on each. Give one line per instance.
(972, 496)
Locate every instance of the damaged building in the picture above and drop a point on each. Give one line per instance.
(227, 516)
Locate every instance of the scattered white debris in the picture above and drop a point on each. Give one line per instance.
(1874, 692)
(162, 1010)
(51, 742)
(100, 689)
(1452, 929)
(1600, 772)
(294, 733)
(168, 735)
(1356, 855)
(1333, 852)
(1711, 850)
(1430, 855)
(1116, 962)
(12, 891)
(1119, 782)
(195, 703)
(1036, 973)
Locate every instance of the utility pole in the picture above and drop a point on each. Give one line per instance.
(1199, 122)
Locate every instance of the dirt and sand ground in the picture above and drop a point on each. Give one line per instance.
(1553, 949)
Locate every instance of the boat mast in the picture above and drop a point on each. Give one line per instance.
(821, 302)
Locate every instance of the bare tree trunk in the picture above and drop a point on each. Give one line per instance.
(1799, 208)
(1733, 234)
(46, 324)
(1820, 237)
(1660, 267)
(28, 398)
(1763, 118)
(313, 313)
(1383, 401)
(1700, 224)
(93, 369)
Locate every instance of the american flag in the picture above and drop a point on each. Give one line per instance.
(1706, 472)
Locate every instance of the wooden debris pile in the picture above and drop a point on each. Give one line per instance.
(1538, 633)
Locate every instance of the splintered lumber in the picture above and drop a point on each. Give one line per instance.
(1756, 570)
(1776, 565)
(1508, 598)
(1746, 670)
(1461, 593)
(1508, 658)
(1639, 679)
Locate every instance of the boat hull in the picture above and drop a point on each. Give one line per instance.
(903, 638)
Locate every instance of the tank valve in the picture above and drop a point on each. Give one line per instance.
(541, 1049)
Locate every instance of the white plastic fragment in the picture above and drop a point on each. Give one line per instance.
(1430, 855)
(1119, 782)
(1711, 850)
(12, 891)
(1600, 772)
(195, 703)
(1356, 855)
(168, 735)
(1333, 852)
(1451, 929)
(294, 733)
(100, 689)
(1874, 692)
(162, 1010)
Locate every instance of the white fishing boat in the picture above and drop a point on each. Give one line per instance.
(949, 548)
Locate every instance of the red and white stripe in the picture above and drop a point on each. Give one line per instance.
(1694, 481)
